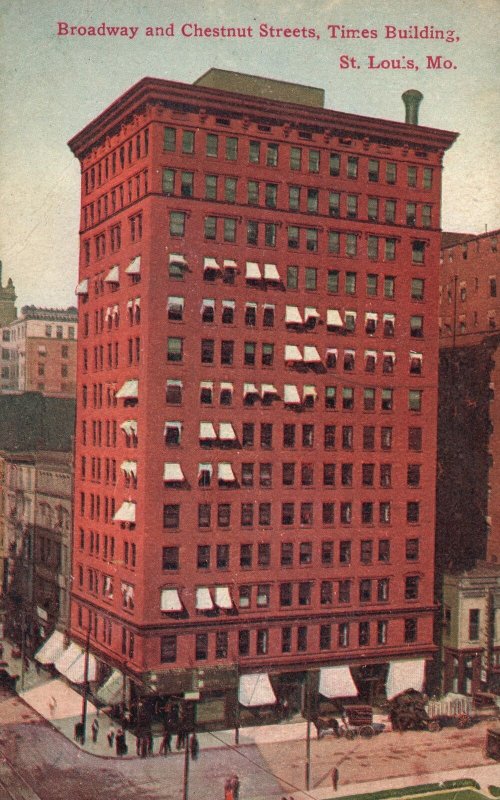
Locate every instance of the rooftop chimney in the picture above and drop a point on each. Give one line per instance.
(412, 99)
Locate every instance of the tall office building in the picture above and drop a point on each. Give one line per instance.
(257, 397)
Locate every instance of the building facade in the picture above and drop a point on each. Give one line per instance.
(257, 401)
(8, 311)
(39, 352)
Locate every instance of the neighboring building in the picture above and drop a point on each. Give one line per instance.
(39, 352)
(471, 630)
(8, 310)
(36, 444)
(468, 520)
(257, 396)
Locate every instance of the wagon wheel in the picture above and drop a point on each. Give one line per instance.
(463, 721)
(350, 734)
(434, 726)
(366, 731)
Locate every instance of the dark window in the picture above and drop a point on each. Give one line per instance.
(201, 647)
(366, 551)
(223, 515)
(412, 549)
(285, 594)
(304, 593)
(264, 554)
(412, 511)
(171, 516)
(288, 435)
(302, 639)
(345, 591)
(328, 513)
(365, 590)
(345, 552)
(222, 559)
(412, 587)
(384, 551)
(364, 634)
(244, 642)
(248, 434)
(203, 556)
(168, 649)
(286, 554)
(327, 553)
(170, 558)
(204, 515)
(474, 617)
(410, 630)
(246, 556)
(415, 439)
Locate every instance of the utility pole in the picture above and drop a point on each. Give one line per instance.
(23, 646)
(308, 732)
(186, 770)
(85, 684)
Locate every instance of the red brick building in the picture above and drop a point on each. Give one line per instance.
(257, 400)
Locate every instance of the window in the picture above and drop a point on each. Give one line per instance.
(263, 595)
(328, 513)
(264, 554)
(412, 176)
(295, 158)
(314, 160)
(312, 200)
(345, 552)
(246, 556)
(426, 216)
(373, 170)
(329, 437)
(169, 139)
(266, 434)
(368, 437)
(229, 231)
(384, 514)
(412, 511)
(170, 558)
(304, 593)
(493, 286)
(307, 435)
(411, 213)
(294, 198)
(427, 178)
(350, 283)
(364, 634)
(334, 204)
(351, 244)
(292, 277)
(412, 549)
(415, 400)
(231, 148)
(271, 195)
(254, 152)
(311, 278)
(288, 474)
(222, 556)
(366, 551)
(272, 155)
(168, 649)
(474, 618)
(307, 475)
(384, 551)
(352, 206)
(329, 475)
(302, 638)
(368, 398)
(333, 242)
(252, 232)
(413, 475)
(288, 435)
(410, 634)
(372, 248)
(347, 398)
(346, 513)
(171, 516)
(226, 352)
(417, 289)
(212, 145)
(387, 399)
(249, 354)
(203, 556)
(367, 474)
(343, 634)
(204, 514)
(177, 223)
(305, 553)
(390, 210)
(371, 285)
(287, 513)
(311, 245)
(367, 512)
(346, 474)
(386, 469)
(372, 208)
(293, 237)
(412, 583)
(262, 641)
(334, 164)
(246, 514)
(390, 172)
(210, 228)
(243, 642)
(352, 167)
(286, 596)
(268, 316)
(415, 439)
(223, 515)
(306, 513)
(416, 326)
(365, 590)
(417, 252)
(248, 434)
(187, 184)
(188, 142)
(270, 234)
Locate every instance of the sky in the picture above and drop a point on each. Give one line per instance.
(53, 85)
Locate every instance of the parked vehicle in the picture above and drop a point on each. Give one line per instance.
(356, 720)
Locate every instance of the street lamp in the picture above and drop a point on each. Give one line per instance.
(85, 685)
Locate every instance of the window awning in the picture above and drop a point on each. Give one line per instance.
(229, 304)
(389, 317)
(225, 472)
(230, 263)
(175, 303)
(115, 310)
(109, 310)
(41, 349)
(129, 426)
(177, 258)
(210, 263)
(252, 271)
(222, 597)
(207, 431)
(371, 354)
(404, 675)
(251, 305)
(332, 351)
(67, 658)
(206, 384)
(226, 386)
(291, 394)
(204, 600)
(249, 388)
(256, 690)
(292, 353)
(52, 649)
(134, 268)
(83, 287)
(129, 467)
(126, 513)
(413, 356)
(269, 306)
(205, 468)
(113, 275)
(268, 388)
(371, 315)
(226, 432)
(172, 473)
(170, 600)
(333, 318)
(309, 391)
(129, 390)
(111, 691)
(207, 302)
(310, 313)
(175, 426)
(292, 316)
(137, 302)
(350, 353)
(336, 682)
(352, 314)
(311, 355)
(76, 672)
(271, 273)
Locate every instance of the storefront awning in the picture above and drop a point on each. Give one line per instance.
(134, 268)
(292, 316)
(207, 431)
(172, 473)
(126, 513)
(170, 600)
(336, 682)
(225, 472)
(333, 318)
(204, 600)
(271, 273)
(111, 691)
(292, 353)
(52, 649)
(256, 690)
(83, 287)
(67, 658)
(226, 432)
(252, 271)
(404, 675)
(129, 390)
(222, 597)
(113, 275)
(76, 672)
(311, 355)
(291, 394)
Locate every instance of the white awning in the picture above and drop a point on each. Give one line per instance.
(229, 304)
(371, 315)
(271, 273)
(252, 271)
(111, 691)
(249, 388)
(109, 310)
(311, 355)
(269, 306)
(226, 432)
(202, 468)
(352, 314)
(210, 263)
(83, 287)
(292, 353)
(291, 394)
(207, 431)
(251, 305)
(137, 302)
(204, 600)
(292, 316)
(207, 302)
(172, 473)
(129, 426)
(206, 384)
(371, 354)
(113, 275)
(134, 268)
(230, 263)
(176, 426)
(310, 313)
(226, 386)
(413, 356)
(225, 472)
(129, 390)
(170, 600)
(76, 672)
(336, 682)
(389, 317)
(309, 391)
(115, 310)
(130, 304)
(129, 467)
(177, 258)
(256, 690)
(41, 349)
(404, 675)
(175, 303)
(332, 351)
(333, 318)
(222, 597)
(350, 353)
(52, 649)
(267, 388)
(126, 513)
(67, 658)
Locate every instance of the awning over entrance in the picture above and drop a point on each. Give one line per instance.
(76, 672)
(404, 675)
(337, 682)
(64, 662)
(52, 649)
(256, 690)
(170, 600)
(111, 691)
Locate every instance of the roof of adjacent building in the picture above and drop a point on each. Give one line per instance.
(451, 239)
(69, 314)
(31, 421)
(256, 86)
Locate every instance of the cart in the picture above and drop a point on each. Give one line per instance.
(493, 743)
(355, 721)
(452, 709)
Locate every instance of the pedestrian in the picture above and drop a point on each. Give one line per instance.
(235, 786)
(111, 735)
(52, 705)
(166, 743)
(150, 743)
(194, 747)
(181, 740)
(95, 730)
(335, 778)
(121, 743)
(228, 790)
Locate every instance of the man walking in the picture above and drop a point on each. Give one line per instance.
(335, 778)
(95, 730)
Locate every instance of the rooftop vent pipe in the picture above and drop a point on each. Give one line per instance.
(412, 99)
